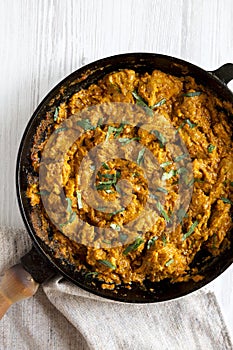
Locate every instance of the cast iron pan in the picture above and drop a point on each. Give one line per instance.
(40, 264)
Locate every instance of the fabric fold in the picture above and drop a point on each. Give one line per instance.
(192, 322)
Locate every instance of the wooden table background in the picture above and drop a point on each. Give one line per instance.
(42, 41)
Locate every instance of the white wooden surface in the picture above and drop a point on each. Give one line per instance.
(42, 41)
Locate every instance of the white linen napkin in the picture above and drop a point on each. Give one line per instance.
(193, 322)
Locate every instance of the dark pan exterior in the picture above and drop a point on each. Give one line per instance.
(80, 79)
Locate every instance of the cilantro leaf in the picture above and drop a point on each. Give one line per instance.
(165, 164)
(192, 94)
(43, 193)
(105, 166)
(151, 242)
(134, 246)
(210, 148)
(226, 200)
(162, 211)
(79, 199)
(142, 103)
(160, 103)
(169, 262)
(180, 157)
(85, 124)
(169, 175)
(126, 140)
(115, 227)
(140, 156)
(191, 230)
(107, 264)
(56, 131)
(113, 129)
(161, 189)
(55, 116)
(162, 140)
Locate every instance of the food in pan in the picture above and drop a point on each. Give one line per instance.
(200, 119)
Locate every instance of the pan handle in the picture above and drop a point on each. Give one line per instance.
(22, 280)
(15, 284)
(224, 73)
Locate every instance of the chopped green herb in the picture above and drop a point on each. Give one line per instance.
(181, 170)
(180, 157)
(115, 227)
(160, 103)
(117, 211)
(90, 274)
(193, 180)
(123, 237)
(191, 230)
(162, 211)
(186, 121)
(85, 124)
(107, 241)
(231, 183)
(190, 124)
(210, 148)
(126, 140)
(43, 193)
(151, 242)
(192, 94)
(100, 122)
(55, 116)
(107, 264)
(102, 208)
(226, 200)
(165, 164)
(142, 103)
(140, 156)
(161, 189)
(60, 130)
(109, 132)
(181, 126)
(162, 140)
(79, 198)
(181, 214)
(106, 176)
(69, 205)
(172, 172)
(71, 219)
(153, 196)
(109, 191)
(169, 175)
(104, 186)
(134, 246)
(149, 110)
(117, 131)
(110, 182)
(169, 262)
(105, 166)
(118, 189)
(164, 240)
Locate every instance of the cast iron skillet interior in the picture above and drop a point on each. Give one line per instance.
(43, 258)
